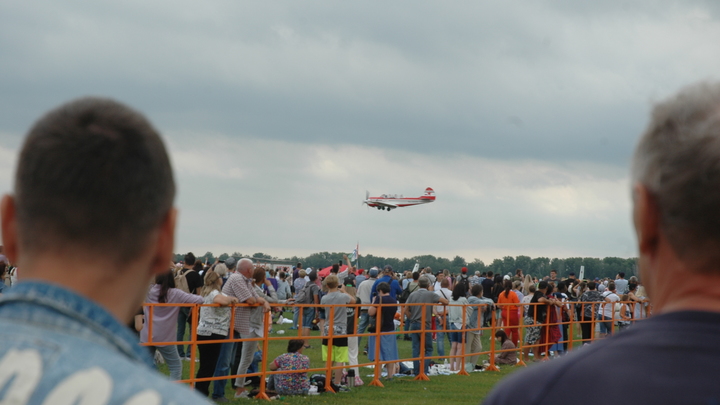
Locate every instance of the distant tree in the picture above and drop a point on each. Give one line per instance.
(524, 263)
(540, 266)
(457, 264)
(476, 265)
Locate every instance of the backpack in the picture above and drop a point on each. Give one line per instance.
(406, 293)
(181, 281)
(304, 296)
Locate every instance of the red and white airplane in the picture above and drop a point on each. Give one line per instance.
(392, 201)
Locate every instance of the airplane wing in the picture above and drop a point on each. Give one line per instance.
(384, 204)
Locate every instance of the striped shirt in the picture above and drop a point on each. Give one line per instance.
(241, 287)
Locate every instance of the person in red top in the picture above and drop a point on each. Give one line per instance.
(510, 311)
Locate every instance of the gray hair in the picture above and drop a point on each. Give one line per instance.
(678, 160)
(245, 264)
(221, 269)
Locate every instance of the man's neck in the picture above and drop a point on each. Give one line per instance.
(116, 290)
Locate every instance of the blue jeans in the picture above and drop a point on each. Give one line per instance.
(440, 336)
(172, 360)
(296, 314)
(605, 327)
(183, 318)
(222, 368)
(416, 347)
(362, 324)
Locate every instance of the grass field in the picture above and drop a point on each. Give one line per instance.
(403, 390)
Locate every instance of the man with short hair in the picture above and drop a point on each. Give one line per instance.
(336, 295)
(395, 289)
(676, 209)
(621, 285)
(312, 296)
(93, 181)
(240, 286)
(487, 285)
(415, 315)
(194, 283)
(364, 292)
(553, 277)
(477, 305)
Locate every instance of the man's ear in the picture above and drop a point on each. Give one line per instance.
(164, 243)
(646, 218)
(8, 224)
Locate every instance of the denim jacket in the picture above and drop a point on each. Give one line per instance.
(58, 348)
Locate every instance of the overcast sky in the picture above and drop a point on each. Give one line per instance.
(522, 116)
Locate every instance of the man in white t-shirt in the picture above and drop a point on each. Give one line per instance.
(608, 309)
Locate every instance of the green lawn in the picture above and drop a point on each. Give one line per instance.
(460, 389)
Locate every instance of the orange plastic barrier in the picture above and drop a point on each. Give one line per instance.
(570, 338)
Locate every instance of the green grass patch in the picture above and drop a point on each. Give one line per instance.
(459, 389)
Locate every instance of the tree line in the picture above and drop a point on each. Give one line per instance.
(538, 266)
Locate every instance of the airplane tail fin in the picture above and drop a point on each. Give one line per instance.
(429, 194)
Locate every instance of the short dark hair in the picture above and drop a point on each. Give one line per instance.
(476, 290)
(416, 275)
(189, 259)
(542, 285)
(335, 268)
(92, 173)
(621, 274)
(294, 345)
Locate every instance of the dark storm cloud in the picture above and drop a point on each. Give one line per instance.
(430, 77)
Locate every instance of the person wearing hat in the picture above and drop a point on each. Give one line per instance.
(395, 289)
(464, 280)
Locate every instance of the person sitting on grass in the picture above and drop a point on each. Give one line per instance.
(505, 357)
(294, 359)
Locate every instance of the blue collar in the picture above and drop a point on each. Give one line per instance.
(80, 310)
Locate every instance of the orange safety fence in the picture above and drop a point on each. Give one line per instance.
(630, 312)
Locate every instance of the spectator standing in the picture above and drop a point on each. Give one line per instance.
(621, 285)
(194, 283)
(457, 323)
(336, 296)
(213, 324)
(589, 311)
(395, 289)
(240, 286)
(487, 285)
(415, 314)
(388, 342)
(363, 292)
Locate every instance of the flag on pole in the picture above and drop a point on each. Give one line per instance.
(355, 253)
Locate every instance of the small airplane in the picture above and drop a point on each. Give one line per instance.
(392, 201)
